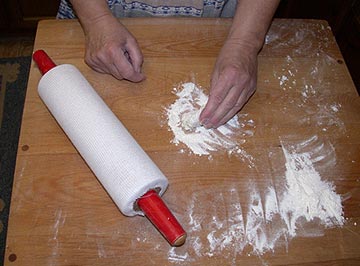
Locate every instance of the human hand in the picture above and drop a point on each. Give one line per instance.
(232, 84)
(111, 49)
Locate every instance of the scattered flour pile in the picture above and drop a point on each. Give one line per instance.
(183, 120)
(307, 196)
(302, 203)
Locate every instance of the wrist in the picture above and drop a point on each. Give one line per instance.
(244, 45)
(99, 20)
(91, 12)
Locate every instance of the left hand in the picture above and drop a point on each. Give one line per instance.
(232, 84)
(112, 49)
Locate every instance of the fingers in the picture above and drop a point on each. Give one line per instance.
(114, 51)
(119, 63)
(223, 106)
(126, 66)
(227, 97)
(244, 97)
(218, 94)
(135, 56)
(218, 113)
(232, 83)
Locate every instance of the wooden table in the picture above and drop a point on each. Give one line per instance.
(60, 214)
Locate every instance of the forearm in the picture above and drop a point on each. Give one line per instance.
(90, 11)
(110, 47)
(251, 22)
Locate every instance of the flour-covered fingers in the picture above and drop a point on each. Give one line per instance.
(218, 93)
(232, 103)
(235, 109)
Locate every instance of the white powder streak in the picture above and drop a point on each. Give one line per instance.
(271, 204)
(307, 195)
(255, 226)
(174, 257)
(273, 217)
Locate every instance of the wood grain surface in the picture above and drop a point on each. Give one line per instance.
(61, 215)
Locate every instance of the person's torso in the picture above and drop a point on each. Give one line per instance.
(146, 8)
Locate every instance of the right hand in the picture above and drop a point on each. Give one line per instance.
(232, 83)
(111, 49)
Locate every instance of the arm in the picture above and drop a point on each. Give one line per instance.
(234, 76)
(110, 47)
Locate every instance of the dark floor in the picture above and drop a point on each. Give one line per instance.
(16, 46)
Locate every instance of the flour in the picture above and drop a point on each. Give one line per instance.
(175, 257)
(335, 107)
(311, 92)
(282, 79)
(307, 195)
(183, 121)
(302, 203)
(261, 217)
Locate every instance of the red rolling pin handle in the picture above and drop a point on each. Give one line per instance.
(43, 61)
(158, 213)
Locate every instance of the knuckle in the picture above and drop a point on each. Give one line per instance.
(91, 62)
(127, 73)
(88, 61)
(114, 72)
(93, 58)
(238, 105)
(231, 72)
(89, 57)
(109, 47)
(217, 99)
(132, 42)
(106, 52)
(231, 103)
(238, 74)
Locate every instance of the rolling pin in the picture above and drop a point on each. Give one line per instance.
(126, 172)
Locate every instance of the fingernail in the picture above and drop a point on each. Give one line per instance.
(204, 122)
(208, 125)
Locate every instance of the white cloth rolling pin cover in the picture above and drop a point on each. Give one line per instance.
(117, 160)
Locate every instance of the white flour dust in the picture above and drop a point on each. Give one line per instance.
(312, 93)
(271, 217)
(307, 196)
(183, 121)
(261, 217)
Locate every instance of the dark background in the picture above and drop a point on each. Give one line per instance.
(20, 17)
